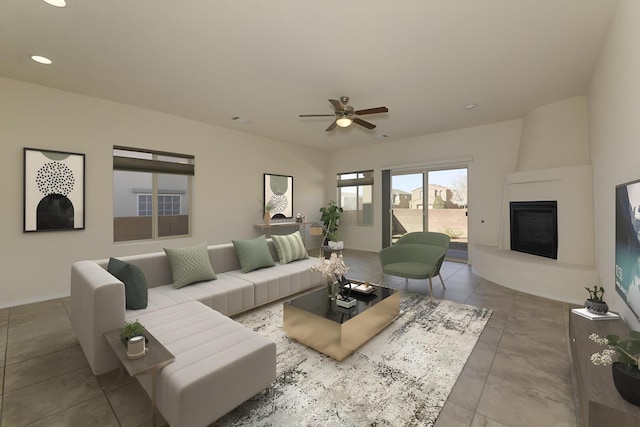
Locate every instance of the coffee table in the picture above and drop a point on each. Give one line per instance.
(316, 321)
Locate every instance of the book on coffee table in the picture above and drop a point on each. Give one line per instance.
(592, 316)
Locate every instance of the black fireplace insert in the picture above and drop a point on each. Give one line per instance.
(534, 228)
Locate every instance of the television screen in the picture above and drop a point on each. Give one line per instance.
(628, 244)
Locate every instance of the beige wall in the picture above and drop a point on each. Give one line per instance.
(493, 150)
(614, 111)
(227, 185)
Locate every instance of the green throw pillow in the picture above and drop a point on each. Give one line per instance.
(290, 247)
(135, 285)
(189, 265)
(253, 254)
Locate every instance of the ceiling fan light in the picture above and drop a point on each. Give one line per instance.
(56, 3)
(41, 59)
(344, 122)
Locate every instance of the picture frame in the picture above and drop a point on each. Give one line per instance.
(54, 190)
(278, 191)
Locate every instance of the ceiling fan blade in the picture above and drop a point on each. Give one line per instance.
(337, 104)
(363, 123)
(331, 127)
(316, 115)
(372, 111)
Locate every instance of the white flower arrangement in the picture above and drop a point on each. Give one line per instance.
(331, 269)
(628, 350)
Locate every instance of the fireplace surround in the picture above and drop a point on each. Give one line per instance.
(534, 227)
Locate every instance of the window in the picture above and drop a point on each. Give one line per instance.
(151, 194)
(355, 196)
(144, 205)
(168, 204)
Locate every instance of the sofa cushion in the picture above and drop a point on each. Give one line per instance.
(290, 247)
(189, 265)
(135, 284)
(253, 254)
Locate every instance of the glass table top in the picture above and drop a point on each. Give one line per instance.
(318, 302)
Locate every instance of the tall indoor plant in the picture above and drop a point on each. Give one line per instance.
(330, 217)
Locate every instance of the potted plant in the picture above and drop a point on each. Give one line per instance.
(626, 375)
(267, 208)
(595, 303)
(132, 329)
(330, 217)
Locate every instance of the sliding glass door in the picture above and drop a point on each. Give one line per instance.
(431, 200)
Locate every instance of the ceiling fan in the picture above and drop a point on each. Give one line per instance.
(345, 114)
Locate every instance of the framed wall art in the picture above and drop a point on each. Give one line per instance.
(278, 195)
(53, 190)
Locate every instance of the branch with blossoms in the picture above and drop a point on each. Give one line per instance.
(332, 268)
(628, 350)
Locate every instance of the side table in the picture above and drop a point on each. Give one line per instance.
(156, 358)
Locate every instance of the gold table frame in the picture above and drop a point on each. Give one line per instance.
(339, 339)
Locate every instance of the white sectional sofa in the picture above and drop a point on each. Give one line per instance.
(218, 363)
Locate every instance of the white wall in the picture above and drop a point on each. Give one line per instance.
(614, 128)
(555, 135)
(226, 189)
(493, 148)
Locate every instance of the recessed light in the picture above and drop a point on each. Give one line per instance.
(41, 59)
(56, 3)
(240, 119)
(471, 106)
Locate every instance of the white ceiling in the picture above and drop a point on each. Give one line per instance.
(268, 61)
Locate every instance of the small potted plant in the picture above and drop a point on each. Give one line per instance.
(626, 375)
(595, 303)
(267, 208)
(132, 329)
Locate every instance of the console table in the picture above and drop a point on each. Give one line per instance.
(600, 402)
(276, 225)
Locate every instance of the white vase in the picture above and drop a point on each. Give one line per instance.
(336, 245)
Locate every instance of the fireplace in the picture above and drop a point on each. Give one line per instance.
(534, 228)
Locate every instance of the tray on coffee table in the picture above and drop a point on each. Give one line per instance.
(360, 287)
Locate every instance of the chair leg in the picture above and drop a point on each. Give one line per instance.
(430, 288)
(440, 275)
(382, 279)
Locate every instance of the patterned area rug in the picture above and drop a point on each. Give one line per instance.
(401, 377)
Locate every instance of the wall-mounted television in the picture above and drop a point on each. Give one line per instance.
(628, 244)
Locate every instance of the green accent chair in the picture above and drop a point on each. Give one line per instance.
(417, 255)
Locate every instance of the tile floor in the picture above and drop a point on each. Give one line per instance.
(518, 374)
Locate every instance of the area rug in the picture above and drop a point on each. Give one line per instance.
(401, 377)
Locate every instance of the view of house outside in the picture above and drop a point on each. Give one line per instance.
(445, 200)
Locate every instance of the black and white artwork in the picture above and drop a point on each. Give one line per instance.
(53, 190)
(278, 194)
